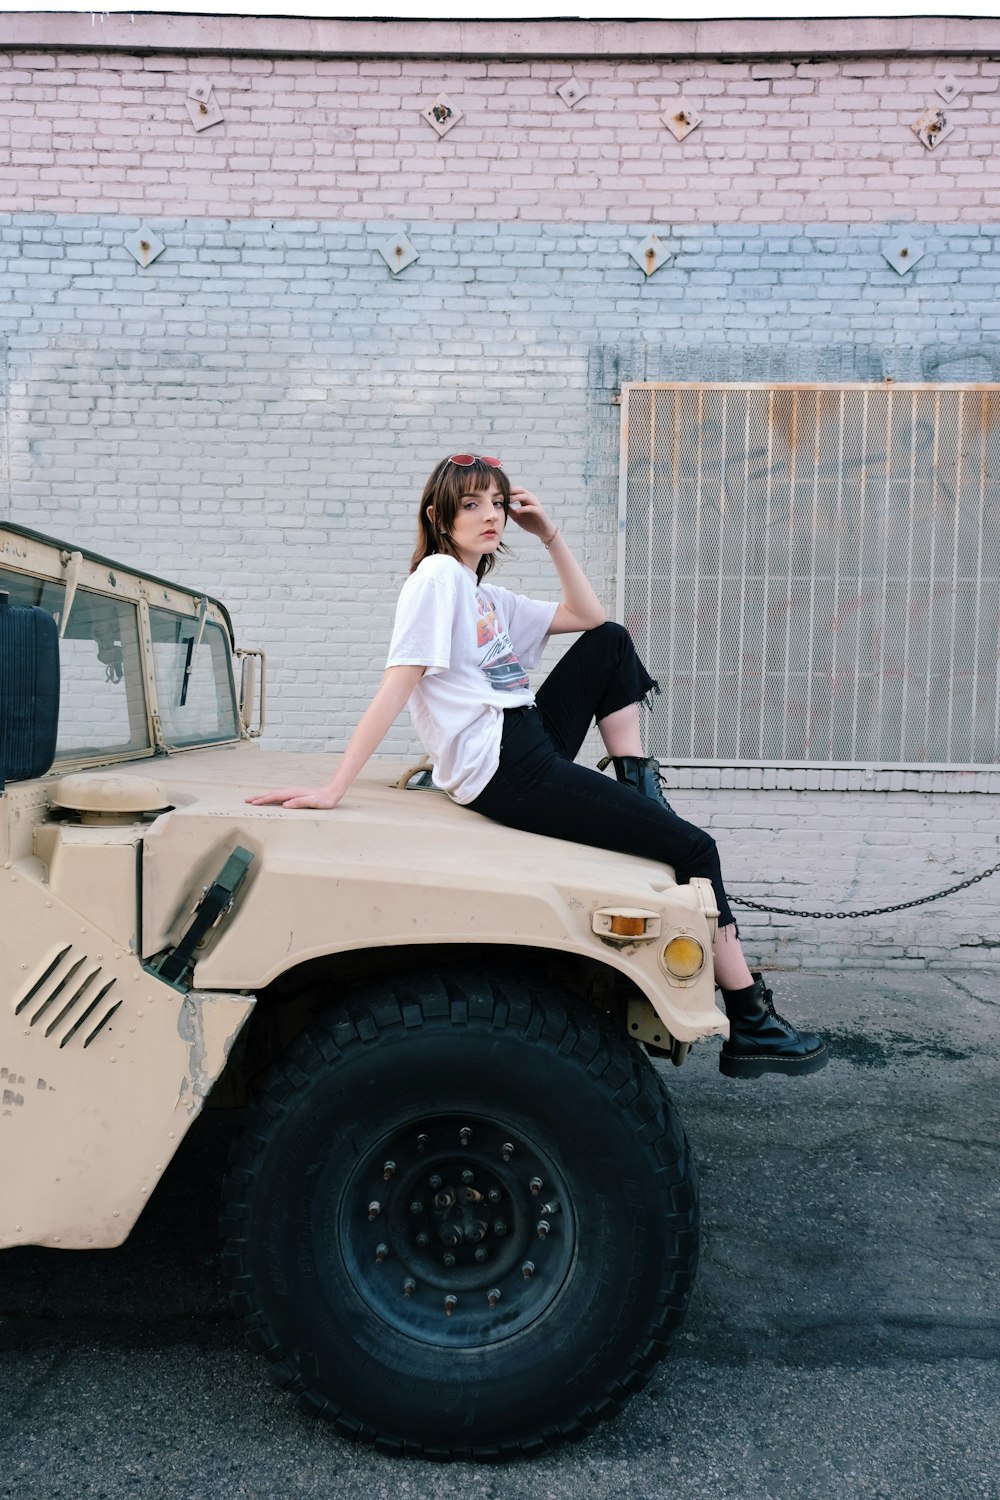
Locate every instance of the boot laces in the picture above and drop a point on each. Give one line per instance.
(768, 998)
(656, 769)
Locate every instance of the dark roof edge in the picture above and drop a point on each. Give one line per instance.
(566, 40)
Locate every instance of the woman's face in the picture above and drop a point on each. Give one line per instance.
(478, 524)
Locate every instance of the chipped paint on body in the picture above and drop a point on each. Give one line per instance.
(208, 1026)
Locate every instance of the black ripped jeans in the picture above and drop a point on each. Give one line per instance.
(538, 786)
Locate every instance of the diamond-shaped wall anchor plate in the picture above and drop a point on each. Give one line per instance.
(681, 119)
(442, 114)
(397, 252)
(200, 89)
(649, 254)
(932, 126)
(572, 91)
(902, 254)
(144, 245)
(949, 88)
(204, 112)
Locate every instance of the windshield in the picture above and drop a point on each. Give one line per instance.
(102, 709)
(194, 680)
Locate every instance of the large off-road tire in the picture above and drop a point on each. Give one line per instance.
(461, 1220)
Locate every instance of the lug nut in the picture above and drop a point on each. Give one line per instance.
(448, 1259)
(374, 1209)
(499, 1227)
(409, 1287)
(482, 1254)
(542, 1227)
(423, 1240)
(494, 1195)
(464, 1136)
(536, 1186)
(450, 1303)
(506, 1150)
(422, 1142)
(528, 1270)
(416, 1207)
(468, 1176)
(493, 1296)
(388, 1169)
(381, 1253)
(434, 1181)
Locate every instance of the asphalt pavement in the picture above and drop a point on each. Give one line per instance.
(842, 1343)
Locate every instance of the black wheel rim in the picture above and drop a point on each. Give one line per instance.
(457, 1230)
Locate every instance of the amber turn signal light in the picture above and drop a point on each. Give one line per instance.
(683, 957)
(628, 926)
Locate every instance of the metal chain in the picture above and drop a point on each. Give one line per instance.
(875, 911)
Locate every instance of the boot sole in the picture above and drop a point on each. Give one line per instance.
(747, 1066)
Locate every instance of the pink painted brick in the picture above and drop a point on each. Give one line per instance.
(284, 125)
(772, 70)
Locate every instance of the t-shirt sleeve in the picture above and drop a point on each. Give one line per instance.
(425, 614)
(528, 623)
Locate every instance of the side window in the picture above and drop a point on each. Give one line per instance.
(101, 703)
(194, 680)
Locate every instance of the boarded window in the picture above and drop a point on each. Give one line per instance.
(813, 572)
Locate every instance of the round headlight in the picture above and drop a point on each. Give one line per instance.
(684, 957)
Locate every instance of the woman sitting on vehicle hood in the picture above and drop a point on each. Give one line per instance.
(460, 653)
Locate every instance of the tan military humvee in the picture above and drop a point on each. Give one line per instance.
(461, 1218)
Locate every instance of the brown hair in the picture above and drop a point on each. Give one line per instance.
(443, 491)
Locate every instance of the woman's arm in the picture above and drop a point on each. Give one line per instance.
(580, 608)
(373, 726)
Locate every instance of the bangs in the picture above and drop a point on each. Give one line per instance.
(470, 479)
(442, 496)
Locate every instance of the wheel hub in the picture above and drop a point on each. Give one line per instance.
(457, 1230)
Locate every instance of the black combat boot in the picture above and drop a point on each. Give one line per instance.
(641, 772)
(761, 1041)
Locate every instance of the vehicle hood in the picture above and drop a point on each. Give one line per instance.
(388, 867)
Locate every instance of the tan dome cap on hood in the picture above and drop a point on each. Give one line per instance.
(106, 792)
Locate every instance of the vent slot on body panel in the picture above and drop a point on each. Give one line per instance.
(70, 991)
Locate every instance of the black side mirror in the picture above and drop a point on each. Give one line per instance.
(29, 690)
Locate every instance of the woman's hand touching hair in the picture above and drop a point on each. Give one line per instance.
(527, 512)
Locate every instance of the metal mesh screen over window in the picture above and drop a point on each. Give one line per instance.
(813, 573)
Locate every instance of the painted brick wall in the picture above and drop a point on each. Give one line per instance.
(256, 411)
(820, 841)
(825, 140)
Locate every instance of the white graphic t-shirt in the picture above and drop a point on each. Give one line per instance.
(478, 643)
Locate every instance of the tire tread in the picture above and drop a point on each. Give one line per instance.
(505, 1004)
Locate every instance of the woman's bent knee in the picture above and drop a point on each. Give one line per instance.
(701, 854)
(615, 634)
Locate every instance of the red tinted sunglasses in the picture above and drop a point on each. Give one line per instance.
(466, 460)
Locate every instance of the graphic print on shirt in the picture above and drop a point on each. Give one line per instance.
(501, 667)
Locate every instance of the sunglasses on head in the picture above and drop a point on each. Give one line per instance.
(466, 460)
